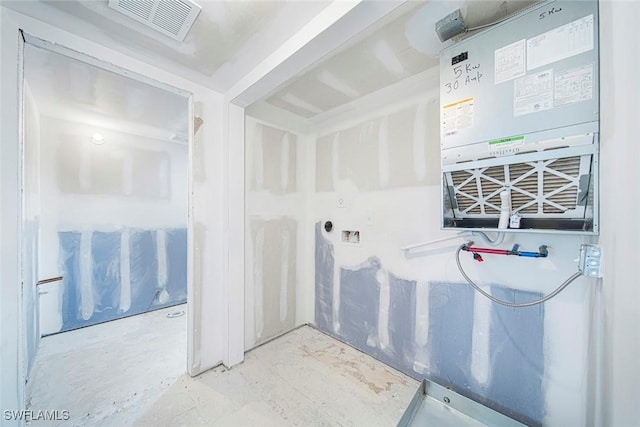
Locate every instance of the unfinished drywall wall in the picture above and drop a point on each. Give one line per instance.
(30, 247)
(274, 212)
(378, 174)
(620, 153)
(368, 155)
(114, 227)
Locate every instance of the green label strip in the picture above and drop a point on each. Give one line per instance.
(506, 140)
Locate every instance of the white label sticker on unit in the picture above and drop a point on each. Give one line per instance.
(563, 42)
(574, 85)
(510, 62)
(457, 116)
(533, 93)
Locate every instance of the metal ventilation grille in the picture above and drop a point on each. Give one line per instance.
(172, 18)
(141, 8)
(538, 189)
(171, 15)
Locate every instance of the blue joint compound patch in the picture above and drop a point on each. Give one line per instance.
(107, 286)
(359, 302)
(514, 386)
(105, 254)
(324, 282)
(69, 261)
(450, 334)
(177, 265)
(402, 321)
(517, 356)
(144, 270)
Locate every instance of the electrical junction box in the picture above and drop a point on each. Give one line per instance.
(519, 113)
(589, 263)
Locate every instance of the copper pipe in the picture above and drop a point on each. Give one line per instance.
(49, 280)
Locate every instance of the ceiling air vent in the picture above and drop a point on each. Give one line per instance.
(172, 18)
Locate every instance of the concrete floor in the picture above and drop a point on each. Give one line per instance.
(108, 373)
(303, 378)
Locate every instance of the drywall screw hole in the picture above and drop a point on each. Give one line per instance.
(446, 400)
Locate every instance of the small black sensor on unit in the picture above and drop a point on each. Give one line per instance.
(328, 226)
(462, 57)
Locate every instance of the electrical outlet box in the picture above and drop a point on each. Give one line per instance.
(590, 263)
(349, 236)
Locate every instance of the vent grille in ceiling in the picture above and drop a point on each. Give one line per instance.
(172, 18)
(538, 188)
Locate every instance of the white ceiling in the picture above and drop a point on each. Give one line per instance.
(230, 38)
(72, 90)
(378, 59)
(401, 47)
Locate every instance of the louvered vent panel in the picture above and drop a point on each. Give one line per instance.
(538, 188)
(171, 15)
(141, 8)
(172, 18)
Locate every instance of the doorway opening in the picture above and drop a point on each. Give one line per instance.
(105, 202)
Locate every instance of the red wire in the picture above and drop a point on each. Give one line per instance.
(489, 251)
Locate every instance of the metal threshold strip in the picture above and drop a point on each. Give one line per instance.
(435, 405)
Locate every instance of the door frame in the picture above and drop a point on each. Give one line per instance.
(28, 39)
(36, 42)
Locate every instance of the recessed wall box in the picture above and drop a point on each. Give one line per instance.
(520, 114)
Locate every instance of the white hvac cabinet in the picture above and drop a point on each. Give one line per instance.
(519, 116)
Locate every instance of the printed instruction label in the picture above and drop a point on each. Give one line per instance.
(574, 85)
(506, 146)
(563, 42)
(457, 116)
(533, 93)
(510, 62)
